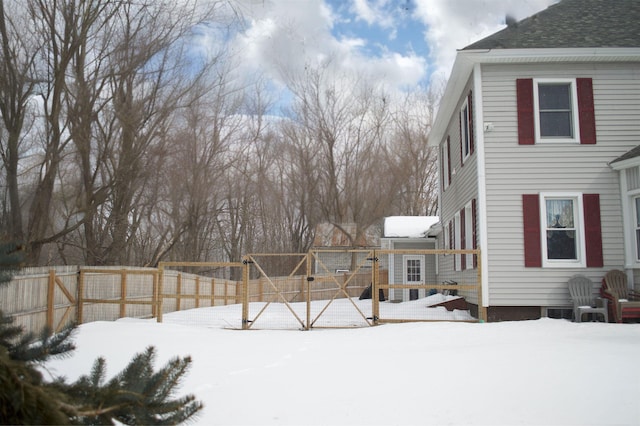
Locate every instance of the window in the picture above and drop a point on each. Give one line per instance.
(414, 270)
(446, 164)
(555, 103)
(555, 110)
(469, 238)
(562, 230)
(414, 274)
(637, 225)
(465, 130)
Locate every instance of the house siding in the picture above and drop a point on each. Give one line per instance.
(513, 170)
(461, 191)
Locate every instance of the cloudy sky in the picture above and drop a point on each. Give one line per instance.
(402, 42)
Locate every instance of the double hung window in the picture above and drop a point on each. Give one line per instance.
(562, 225)
(557, 118)
(555, 111)
(465, 130)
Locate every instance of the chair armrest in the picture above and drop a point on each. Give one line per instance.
(634, 295)
(601, 302)
(607, 294)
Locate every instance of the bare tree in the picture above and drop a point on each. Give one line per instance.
(345, 123)
(413, 163)
(17, 82)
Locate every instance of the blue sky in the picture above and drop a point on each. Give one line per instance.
(403, 43)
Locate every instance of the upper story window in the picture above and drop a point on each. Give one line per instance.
(446, 164)
(465, 130)
(556, 111)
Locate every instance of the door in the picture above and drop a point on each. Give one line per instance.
(413, 273)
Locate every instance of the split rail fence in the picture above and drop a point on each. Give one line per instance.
(55, 298)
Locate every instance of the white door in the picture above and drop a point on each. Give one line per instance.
(413, 273)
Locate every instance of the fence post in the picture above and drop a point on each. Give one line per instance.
(308, 291)
(160, 298)
(51, 283)
(197, 291)
(375, 282)
(245, 294)
(79, 312)
(179, 291)
(123, 293)
(154, 295)
(213, 292)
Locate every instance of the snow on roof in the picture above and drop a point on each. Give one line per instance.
(408, 226)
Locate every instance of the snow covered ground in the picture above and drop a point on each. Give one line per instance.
(544, 372)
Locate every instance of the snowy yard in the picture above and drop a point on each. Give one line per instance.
(545, 372)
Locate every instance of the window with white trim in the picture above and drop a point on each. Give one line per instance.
(465, 131)
(445, 164)
(555, 103)
(562, 219)
(468, 231)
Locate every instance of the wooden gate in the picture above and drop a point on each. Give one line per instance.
(351, 286)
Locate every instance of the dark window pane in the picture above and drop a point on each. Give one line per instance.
(554, 96)
(561, 244)
(555, 124)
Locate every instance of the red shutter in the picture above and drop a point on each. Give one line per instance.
(474, 222)
(592, 230)
(531, 222)
(586, 111)
(449, 158)
(526, 130)
(470, 103)
(463, 240)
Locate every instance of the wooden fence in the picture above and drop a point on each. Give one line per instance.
(55, 298)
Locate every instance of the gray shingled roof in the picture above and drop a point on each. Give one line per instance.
(570, 24)
(635, 152)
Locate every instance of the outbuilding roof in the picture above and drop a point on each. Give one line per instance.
(408, 226)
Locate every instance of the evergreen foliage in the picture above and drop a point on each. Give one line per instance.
(136, 395)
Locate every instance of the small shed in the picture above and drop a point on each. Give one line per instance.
(410, 233)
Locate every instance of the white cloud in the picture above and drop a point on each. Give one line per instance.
(454, 24)
(283, 36)
(373, 12)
